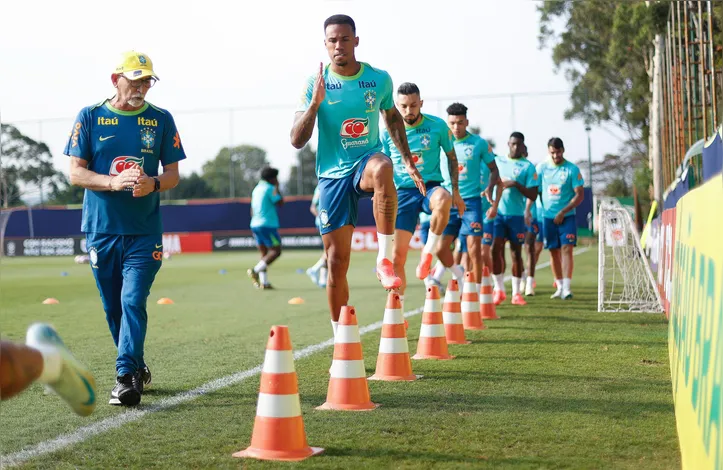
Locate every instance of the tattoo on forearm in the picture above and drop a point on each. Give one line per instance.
(304, 126)
(398, 133)
(453, 170)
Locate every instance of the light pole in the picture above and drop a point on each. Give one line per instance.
(589, 157)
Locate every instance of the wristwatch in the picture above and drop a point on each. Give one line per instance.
(156, 184)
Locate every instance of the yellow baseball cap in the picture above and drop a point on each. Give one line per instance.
(134, 65)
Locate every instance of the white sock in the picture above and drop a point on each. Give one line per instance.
(499, 282)
(318, 264)
(334, 324)
(558, 284)
(431, 244)
(323, 273)
(566, 284)
(386, 246)
(52, 364)
(457, 272)
(530, 281)
(263, 278)
(516, 285)
(524, 274)
(260, 266)
(439, 271)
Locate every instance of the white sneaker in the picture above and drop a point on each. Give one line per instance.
(313, 275)
(529, 290)
(557, 294)
(567, 295)
(76, 384)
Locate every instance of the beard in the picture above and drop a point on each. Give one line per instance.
(411, 119)
(136, 101)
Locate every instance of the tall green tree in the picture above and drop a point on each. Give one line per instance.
(234, 171)
(192, 187)
(66, 193)
(302, 177)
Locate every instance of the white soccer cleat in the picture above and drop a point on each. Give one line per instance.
(313, 275)
(557, 294)
(76, 385)
(529, 290)
(566, 295)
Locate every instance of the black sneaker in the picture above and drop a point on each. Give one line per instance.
(138, 382)
(125, 392)
(267, 287)
(145, 377)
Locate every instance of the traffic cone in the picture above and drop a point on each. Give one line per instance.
(279, 428)
(432, 340)
(471, 318)
(452, 316)
(393, 361)
(487, 303)
(348, 387)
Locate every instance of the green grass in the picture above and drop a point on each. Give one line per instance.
(551, 385)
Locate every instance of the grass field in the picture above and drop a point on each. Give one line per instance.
(550, 385)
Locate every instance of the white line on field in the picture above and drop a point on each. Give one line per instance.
(86, 432)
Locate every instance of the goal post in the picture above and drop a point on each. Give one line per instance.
(625, 281)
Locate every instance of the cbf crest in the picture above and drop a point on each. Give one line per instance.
(468, 151)
(563, 174)
(148, 137)
(370, 99)
(516, 170)
(425, 140)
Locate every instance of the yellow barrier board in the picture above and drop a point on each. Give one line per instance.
(696, 326)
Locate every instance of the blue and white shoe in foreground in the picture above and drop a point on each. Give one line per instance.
(313, 275)
(67, 377)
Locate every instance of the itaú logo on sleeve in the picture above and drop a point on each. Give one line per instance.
(354, 128)
(123, 163)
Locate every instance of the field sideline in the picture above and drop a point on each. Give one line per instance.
(550, 385)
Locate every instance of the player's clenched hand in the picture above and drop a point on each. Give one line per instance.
(492, 212)
(559, 218)
(528, 217)
(144, 186)
(417, 178)
(458, 202)
(125, 179)
(319, 92)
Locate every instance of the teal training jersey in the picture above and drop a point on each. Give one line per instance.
(558, 186)
(348, 119)
(263, 204)
(513, 202)
(473, 156)
(425, 138)
(111, 140)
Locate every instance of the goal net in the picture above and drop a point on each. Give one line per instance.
(625, 282)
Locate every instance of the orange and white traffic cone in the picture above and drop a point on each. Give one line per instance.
(471, 318)
(348, 387)
(432, 339)
(486, 300)
(393, 361)
(452, 315)
(279, 428)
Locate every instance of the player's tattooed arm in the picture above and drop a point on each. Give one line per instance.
(395, 126)
(453, 169)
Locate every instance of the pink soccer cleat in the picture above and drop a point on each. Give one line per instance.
(499, 297)
(517, 299)
(385, 274)
(425, 264)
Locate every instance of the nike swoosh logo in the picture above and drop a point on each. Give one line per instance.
(91, 393)
(159, 246)
(101, 138)
(333, 102)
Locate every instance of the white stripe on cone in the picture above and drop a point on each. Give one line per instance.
(393, 316)
(470, 287)
(470, 307)
(451, 318)
(432, 305)
(452, 296)
(342, 369)
(485, 299)
(278, 362)
(278, 406)
(347, 334)
(393, 346)
(432, 331)
(487, 281)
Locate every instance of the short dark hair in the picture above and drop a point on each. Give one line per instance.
(556, 143)
(408, 88)
(268, 173)
(340, 19)
(518, 135)
(457, 109)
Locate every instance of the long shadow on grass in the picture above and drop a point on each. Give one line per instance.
(408, 454)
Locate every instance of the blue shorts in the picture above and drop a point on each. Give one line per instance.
(124, 268)
(411, 203)
(471, 223)
(339, 198)
(266, 236)
(558, 235)
(511, 227)
(424, 232)
(536, 228)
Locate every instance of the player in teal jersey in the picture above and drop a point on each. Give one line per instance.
(478, 173)
(533, 240)
(118, 145)
(347, 97)
(265, 197)
(519, 182)
(428, 137)
(318, 272)
(562, 191)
